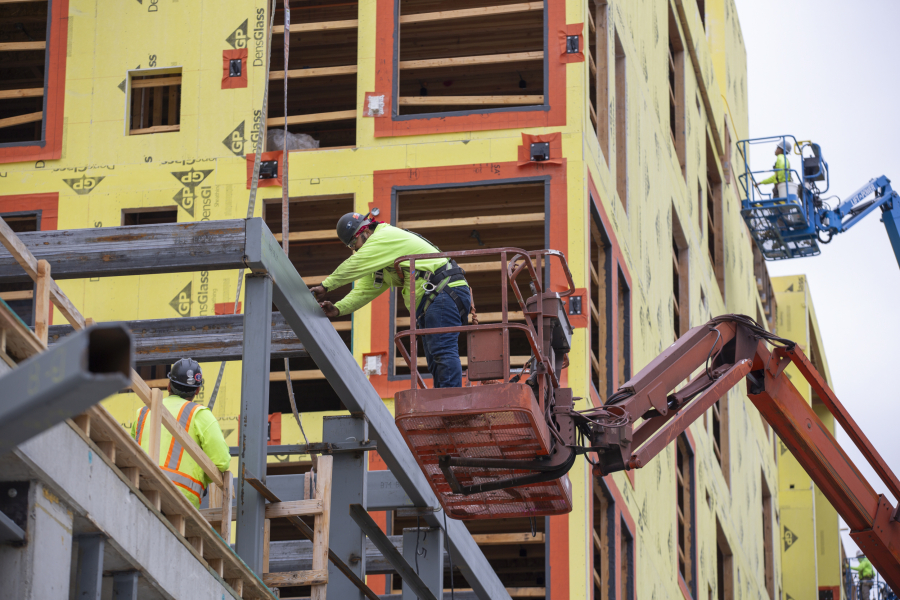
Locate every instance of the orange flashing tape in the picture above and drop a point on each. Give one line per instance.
(565, 32)
(275, 155)
(229, 82)
(555, 141)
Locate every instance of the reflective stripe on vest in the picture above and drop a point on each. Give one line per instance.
(140, 426)
(185, 482)
(173, 458)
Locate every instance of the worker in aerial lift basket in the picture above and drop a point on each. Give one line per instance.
(782, 168)
(185, 381)
(443, 298)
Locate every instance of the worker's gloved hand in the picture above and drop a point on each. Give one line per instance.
(331, 311)
(319, 292)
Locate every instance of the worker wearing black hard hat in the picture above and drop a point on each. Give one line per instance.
(185, 381)
(443, 298)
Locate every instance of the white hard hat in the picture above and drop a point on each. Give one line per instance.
(785, 146)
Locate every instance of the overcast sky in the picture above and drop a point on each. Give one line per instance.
(826, 70)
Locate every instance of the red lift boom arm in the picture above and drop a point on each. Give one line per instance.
(734, 347)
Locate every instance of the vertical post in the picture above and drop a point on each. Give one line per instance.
(322, 526)
(429, 563)
(227, 496)
(251, 510)
(90, 566)
(348, 486)
(155, 416)
(42, 301)
(125, 585)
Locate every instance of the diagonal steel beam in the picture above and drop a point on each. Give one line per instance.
(302, 312)
(63, 382)
(205, 339)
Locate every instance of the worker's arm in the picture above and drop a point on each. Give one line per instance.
(378, 252)
(779, 170)
(362, 293)
(212, 442)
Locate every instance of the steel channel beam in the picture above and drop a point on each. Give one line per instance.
(132, 250)
(302, 312)
(205, 339)
(251, 509)
(90, 566)
(348, 487)
(125, 585)
(9, 531)
(63, 382)
(429, 562)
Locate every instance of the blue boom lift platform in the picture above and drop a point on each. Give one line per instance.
(794, 218)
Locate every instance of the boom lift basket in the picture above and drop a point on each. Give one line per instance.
(487, 449)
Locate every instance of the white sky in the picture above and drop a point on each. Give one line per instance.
(821, 70)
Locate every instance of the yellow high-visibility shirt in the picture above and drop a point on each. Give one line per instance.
(177, 464)
(782, 171)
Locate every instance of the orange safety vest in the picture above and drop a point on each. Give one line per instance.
(172, 462)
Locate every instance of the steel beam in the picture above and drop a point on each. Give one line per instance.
(125, 585)
(90, 566)
(205, 339)
(9, 531)
(348, 487)
(132, 250)
(302, 312)
(254, 418)
(383, 491)
(63, 382)
(424, 548)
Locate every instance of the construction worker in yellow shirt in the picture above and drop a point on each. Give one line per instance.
(782, 169)
(185, 381)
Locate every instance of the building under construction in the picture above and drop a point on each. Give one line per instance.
(606, 130)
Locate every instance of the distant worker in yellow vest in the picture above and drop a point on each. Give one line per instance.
(185, 381)
(866, 576)
(782, 169)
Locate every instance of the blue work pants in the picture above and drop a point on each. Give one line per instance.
(442, 350)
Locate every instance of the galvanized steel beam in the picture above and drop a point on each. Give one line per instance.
(251, 506)
(63, 382)
(205, 339)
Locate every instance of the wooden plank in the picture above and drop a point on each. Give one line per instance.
(322, 524)
(312, 374)
(217, 565)
(20, 1)
(17, 46)
(459, 61)
(24, 93)
(483, 11)
(323, 26)
(237, 585)
(494, 539)
(296, 578)
(267, 540)
(227, 494)
(42, 302)
(16, 248)
(157, 106)
(154, 424)
(468, 100)
(177, 522)
(340, 115)
(315, 72)
(21, 342)
(137, 84)
(11, 296)
(173, 116)
(155, 128)
(294, 508)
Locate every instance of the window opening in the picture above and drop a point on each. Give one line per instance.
(714, 227)
(23, 70)
(470, 218)
(724, 566)
(20, 296)
(603, 542)
(150, 216)
(600, 299)
(469, 55)
(766, 292)
(684, 476)
(626, 550)
(681, 306)
(598, 63)
(624, 318)
(676, 90)
(719, 419)
(701, 7)
(155, 102)
(621, 123)
(322, 75)
(315, 251)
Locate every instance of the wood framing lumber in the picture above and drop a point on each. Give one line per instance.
(21, 295)
(20, 340)
(296, 578)
(137, 84)
(17, 46)
(154, 129)
(21, 119)
(24, 93)
(314, 72)
(484, 11)
(42, 302)
(203, 541)
(341, 115)
(274, 510)
(461, 61)
(131, 250)
(467, 100)
(323, 26)
(322, 523)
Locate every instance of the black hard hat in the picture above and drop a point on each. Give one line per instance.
(349, 225)
(186, 373)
